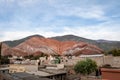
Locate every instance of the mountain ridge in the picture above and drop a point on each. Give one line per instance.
(106, 45)
(58, 45)
(37, 44)
(17, 42)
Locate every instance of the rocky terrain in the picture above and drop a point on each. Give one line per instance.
(105, 45)
(37, 44)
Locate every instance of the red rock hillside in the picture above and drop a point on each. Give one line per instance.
(37, 45)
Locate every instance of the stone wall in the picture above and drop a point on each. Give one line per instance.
(113, 61)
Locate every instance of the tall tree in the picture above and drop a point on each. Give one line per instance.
(115, 52)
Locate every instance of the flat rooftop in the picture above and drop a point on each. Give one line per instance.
(47, 72)
(27, 76)
(6, 68)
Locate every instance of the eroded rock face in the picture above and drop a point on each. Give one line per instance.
(83, 48)
(37, 45)
(5, 49)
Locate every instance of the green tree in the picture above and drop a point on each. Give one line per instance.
(5, 60)
(114, 52)
(57, 60)
(28, 56)
(34, 57)
(85, 67)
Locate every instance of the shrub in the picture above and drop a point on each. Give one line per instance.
(85, 67)
(5, 60)
(115, 52)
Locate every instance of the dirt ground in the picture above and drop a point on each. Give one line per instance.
(90, 78)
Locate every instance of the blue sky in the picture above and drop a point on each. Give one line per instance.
(93, 19)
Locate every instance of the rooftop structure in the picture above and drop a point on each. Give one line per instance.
(57, 74)
(21, 76)
(4, 70)
(53, 74)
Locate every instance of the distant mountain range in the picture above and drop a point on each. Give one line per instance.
(106, 45)
(59, 45)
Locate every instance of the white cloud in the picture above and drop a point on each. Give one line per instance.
(93, 12)
(15, 35)
(25, 19)
(90, 11)
(90, 32)
(28, 3)
(6, 1)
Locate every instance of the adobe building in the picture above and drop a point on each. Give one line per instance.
(110, 73)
